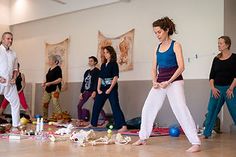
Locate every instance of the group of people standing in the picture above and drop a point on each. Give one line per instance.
(102, 84)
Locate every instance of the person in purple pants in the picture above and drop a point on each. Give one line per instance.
(89, 86)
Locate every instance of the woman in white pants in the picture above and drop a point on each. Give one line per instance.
(168, 65)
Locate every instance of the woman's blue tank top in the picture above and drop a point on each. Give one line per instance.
(167, 63)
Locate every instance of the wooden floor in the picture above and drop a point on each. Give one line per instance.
(223, 145)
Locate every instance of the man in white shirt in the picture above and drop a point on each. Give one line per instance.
(8, 71)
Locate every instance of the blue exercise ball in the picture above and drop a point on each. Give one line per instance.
(174, 131)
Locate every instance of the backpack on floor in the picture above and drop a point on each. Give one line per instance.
(85, 114)
(134, 123)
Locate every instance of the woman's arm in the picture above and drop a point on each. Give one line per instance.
(233, 84)
(99, 86)
(58, 75)
(83, 84)
(180, 61)
(154, 68)
(54, 82)
(14, 75)
(215, 92)
(115, 76)
(113, 83)
(22, 83)
(155, 84)
(230, 90)
(95, 83)
(211, 82)
(15, 71)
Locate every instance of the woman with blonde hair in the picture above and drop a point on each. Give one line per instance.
(222, 82)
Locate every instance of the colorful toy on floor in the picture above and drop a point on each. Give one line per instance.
(174, 131)
(109, 131)
(24, 121)
(111, 127)
(63, 117)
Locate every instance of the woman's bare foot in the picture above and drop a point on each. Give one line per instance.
(195, 148)
(14, 130)
(89, 126)
(203, 137)
(139, 142)
(104, 124)
(123, 129)
(80, 123)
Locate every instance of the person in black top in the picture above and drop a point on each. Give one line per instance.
(20, 85)
(89, 86)
(52, 86)
(108, 89)
(222, 83)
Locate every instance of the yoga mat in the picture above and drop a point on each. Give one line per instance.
(155, 132)
(92, 128)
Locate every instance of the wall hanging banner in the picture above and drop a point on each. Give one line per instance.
(61, 51)
(123, 46)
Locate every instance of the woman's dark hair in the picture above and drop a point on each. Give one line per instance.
(166, 24)
(227, 41)
(94, 59)
(112, 52)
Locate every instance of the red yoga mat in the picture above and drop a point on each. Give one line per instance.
(155, 132)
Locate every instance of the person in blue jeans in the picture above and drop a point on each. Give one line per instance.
(107, 88)
(222, 83)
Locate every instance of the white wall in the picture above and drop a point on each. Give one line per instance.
(29, 10)
(230, 22)
(5, 12)
(4, 28)
(199, 24)
(4, 16)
